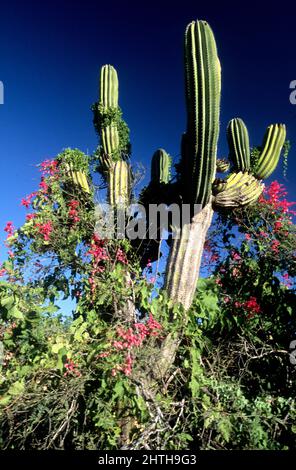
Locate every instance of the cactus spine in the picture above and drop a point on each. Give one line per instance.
(203, 89)
(239, 146)
(160, 167)
(274, 140)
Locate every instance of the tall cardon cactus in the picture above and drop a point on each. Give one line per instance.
(198, 163)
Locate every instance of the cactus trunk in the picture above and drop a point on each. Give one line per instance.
(185, 258)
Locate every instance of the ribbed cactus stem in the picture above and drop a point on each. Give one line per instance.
(110, 139)
(203, 90)
(160, 167)
(274, 140)
(240, 189)
(108, 87)
(185, 258)
(239, 145)
(119, 184)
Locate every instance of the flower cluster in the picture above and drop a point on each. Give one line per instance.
(3, 272)
(73, 211)
(99, 255)
(49, 167)
(30, 216)
(71, 368)
(45, 229)
(274, 195)
(43, 185)
(121, 256)
(9, 229)
(130, 338)
(27, 201)
(251, 306)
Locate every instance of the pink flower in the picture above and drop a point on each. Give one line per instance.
(3, 272)
(49, 167)
(248, 236)
(121, 256)
(277, 225)
(45, 230)
(27, 201)
(9, 229)
(275, 246)
(103, 355)
(43, 186)
(236, 257)
(73, 212)
(30, 216)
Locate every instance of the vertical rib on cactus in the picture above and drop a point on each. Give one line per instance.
(119, 184)
(160, 167)
(203, 89)
(110, 139)
(239, 146)
(274, 140)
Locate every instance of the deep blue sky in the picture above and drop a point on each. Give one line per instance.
(51, 53)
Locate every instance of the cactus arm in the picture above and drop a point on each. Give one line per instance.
(239, 146)
(240, 189)
(160, 167)
(109, 87)
(274, 140)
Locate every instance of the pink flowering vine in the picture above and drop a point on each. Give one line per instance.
(45, 229)
(73, 211)
(71, 368)
(99, 255)
(130, 338)
(9, 229)
(49, 167)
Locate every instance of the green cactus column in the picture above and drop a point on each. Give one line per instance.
(198, 164)
(160, 167)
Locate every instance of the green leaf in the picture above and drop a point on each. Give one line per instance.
(56, 347)
(5, 400)
(17, 388)
(16, 313)
(7, 301)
